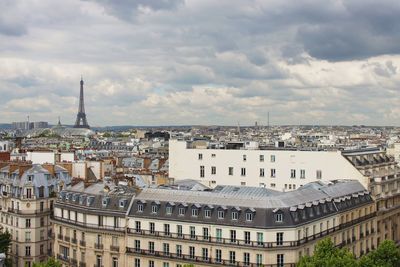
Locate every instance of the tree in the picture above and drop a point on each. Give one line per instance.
(387, 254)
(51, 262)
(5, 242)
(327, 255)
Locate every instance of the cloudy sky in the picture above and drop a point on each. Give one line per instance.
(163, 62)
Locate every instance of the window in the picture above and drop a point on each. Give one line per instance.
(272, 158)
(181, 211)
(273, 173)
(151, 246)
(205, 233)
(221, 214)
(151, 263)
(166, 229)
(168, 210)
(137, 262)
(165, 264)
(233, 236)
(249, 216)
(213, 170)
(319, 174)
(205, 253)
(246, 237)
(279, 260)
(154, 208)
(27, 236)
(140, 208)
(99, 261)
(230, 171)
(179, 250)
(273, 185)
(232, 257)
(202, 171)
(213, 155)
(260, 239)
(261, 158)
(166, 248)
(259, 260)
(279, 239)
(179, 230)
(302, 174)
(195, 212)
(200, 156)
(246, 258)
(138, 226)
(192, 232)
(243, 172)
(152, 228)
(28, 223)
(207, 213)
(115, 262)
(262, 174)
(27, 250)
(279, 217)
(191, 252)
(218, 234)
(292, 173)
(244, 157)
(218, 255)
(235, 215)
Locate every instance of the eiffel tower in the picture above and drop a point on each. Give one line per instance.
(81, 121)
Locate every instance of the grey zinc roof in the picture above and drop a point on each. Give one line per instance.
(254, 197)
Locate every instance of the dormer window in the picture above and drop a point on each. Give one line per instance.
(168, 210)
(105, 201)
(195, 212)
(122, 203)
(279, 217)
(249, 216)
(140, 207)
(81, 199)
(235, 215)
(89, 200)
(221, 214)
(207, 213)
(30, 178)
(181, 211)
(154, 208)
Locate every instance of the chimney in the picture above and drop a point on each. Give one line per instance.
(50, 168)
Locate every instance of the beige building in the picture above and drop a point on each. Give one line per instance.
(90, 225)
(228, 225)
(27, 194)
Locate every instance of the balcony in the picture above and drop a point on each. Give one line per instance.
(74, 241)
(196, 259)
(114, 248)
(98, 246)
(82, 243)
(88, 225)
(67, 238)
(62, 258)
(74, 262)
(82, 264)
(60, 236)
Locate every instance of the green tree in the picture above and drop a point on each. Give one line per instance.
(5, 242)
(387, 254)
(51, 262)
(327, 255)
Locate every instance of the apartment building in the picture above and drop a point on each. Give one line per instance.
(241, 164)
(227, 225)
(27, 194)
(90, 224)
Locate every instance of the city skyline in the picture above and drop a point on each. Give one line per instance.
(181, 62)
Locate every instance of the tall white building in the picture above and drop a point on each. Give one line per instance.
(279, 169)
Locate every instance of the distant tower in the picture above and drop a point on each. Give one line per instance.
(81, 121)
